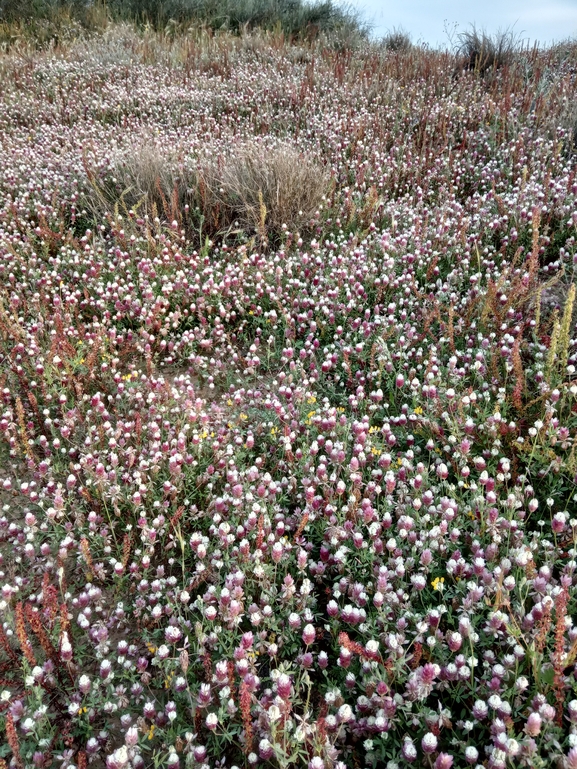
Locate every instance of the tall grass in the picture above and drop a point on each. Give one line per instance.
(292, 17)
(257, 190)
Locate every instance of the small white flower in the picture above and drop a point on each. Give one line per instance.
(345, 713)
(28, 726)
(274, 714)
(494, 701)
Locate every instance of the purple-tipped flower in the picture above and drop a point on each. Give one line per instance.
(442, 471)
(173, 761)
(444, 761)
(558, 523)
(172, 634)
(533, 725)
(204, 695)
(119, 759)
(409, 750)
(284, 686)
(345, 714)
(265, 749)
(547, 712)
(65, 648)
(294, 621)
(105, 668)
(480, 710)
(429, 743)
(309, 634)
(454, 641)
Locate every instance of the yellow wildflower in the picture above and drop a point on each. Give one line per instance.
(418, 410)
(437, 583)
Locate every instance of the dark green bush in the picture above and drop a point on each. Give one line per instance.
(293, 17)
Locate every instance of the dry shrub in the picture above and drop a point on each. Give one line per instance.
(261, 189)
(397, 40)
(255, 189)
(147, 181)
(482, 52)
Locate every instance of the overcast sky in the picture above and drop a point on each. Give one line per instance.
(425, 20)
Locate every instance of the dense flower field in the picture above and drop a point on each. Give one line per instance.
(296, 495)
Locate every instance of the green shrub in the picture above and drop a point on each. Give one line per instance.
(293, 17)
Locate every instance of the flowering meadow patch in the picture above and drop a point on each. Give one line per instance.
(287, 479)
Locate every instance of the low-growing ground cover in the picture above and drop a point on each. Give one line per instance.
(283, 488)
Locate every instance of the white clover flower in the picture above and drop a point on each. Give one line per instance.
(345, 713)
(274, 713)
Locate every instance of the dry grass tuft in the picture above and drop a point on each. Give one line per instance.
(397, 40)
(262, 189)
(256, 190)
(485, 53)
(147, 181)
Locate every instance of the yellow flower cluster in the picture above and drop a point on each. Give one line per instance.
(438, 583)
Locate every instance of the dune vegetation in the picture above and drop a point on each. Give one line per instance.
(288, 469)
